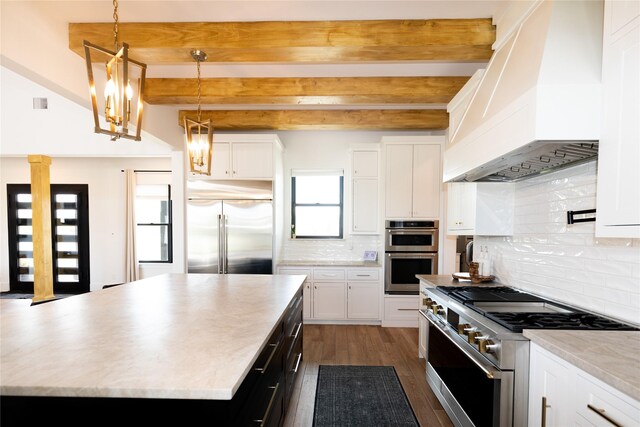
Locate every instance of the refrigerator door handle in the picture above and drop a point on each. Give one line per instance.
(225, 261)
(220, 244)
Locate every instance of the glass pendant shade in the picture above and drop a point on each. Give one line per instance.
(122, 97)
(199, 141)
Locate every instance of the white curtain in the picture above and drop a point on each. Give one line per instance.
(131, 261)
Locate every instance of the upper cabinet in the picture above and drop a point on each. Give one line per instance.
(413, 180)
(484, 209)
(242, 159)
(364, 188)
(618, 204)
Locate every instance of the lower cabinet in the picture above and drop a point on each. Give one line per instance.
(422, 337)
(329, 300)
(340, 294)
(401, 311)
(561, 394)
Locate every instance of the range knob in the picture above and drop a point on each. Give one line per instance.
(427, 302)
(437, 309)
(462, 328)
(487, 346)
(471, 335)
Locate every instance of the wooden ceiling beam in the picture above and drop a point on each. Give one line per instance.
(244, 120)
(297, 41)
(305, 91)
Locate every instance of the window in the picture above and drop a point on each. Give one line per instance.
(317, 204)
(69, 237)
(153, 217)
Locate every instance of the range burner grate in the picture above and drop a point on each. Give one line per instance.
(578, 321)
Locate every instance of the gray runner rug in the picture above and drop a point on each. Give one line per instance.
(361, 396)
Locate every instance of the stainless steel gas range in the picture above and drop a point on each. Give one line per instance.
(477, 356)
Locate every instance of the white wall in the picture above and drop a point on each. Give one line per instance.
(567, 262)
(106, 207)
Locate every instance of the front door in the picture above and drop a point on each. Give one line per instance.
(69, 236)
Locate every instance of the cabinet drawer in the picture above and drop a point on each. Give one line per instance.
(363, 274)
(295, 271)
(401, 309)
(602, 405)
(328, 274)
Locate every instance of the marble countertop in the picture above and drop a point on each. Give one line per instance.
(178, 336)
(433, 280)
(611, 356)
(329, 263)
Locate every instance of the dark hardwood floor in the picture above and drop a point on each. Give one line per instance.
(363, 345)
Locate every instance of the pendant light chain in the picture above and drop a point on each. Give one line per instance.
(199, 89)
(115, 24)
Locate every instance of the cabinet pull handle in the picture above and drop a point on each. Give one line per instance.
(295, 336)
(295, 370)
(273, 352)
(265, 418)
(362, 275)
(543, 420)
(407, 309)
(601, 412)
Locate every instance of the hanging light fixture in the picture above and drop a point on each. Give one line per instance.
(199, 134)
(121, 107)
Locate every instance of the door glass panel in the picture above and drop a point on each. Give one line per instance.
(24, 238)
(66, 243)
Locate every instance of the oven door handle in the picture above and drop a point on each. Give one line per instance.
(485, 367)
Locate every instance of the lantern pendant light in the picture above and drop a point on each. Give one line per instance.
(121, 108)
(199, 134)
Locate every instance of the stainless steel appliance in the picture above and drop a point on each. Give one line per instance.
(230, 227)
(478, 359)
(411, 248)
(464, 247)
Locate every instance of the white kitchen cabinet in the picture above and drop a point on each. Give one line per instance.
(365, 164)
(401, 311)
(342, 295)
(364, 190)
(573, 396)
(549, 400)
(242, 160)
(363, 300)
(422, 336)
(485, 209)
(365, 206)
(329, 300)
(618, 204)
(595, 400)
(412, 174)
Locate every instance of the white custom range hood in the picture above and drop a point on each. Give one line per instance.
(537, 106)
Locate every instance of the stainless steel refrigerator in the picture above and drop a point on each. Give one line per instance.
(230, 227)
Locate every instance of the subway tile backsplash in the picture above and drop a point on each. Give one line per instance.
(564, 262)
(351, 248)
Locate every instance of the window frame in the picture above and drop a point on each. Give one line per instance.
(168, 224)
(293, 234)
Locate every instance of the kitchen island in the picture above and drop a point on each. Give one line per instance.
(183, 345)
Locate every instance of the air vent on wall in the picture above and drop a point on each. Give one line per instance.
(40, 103)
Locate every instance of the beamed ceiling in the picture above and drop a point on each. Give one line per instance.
(298, 103)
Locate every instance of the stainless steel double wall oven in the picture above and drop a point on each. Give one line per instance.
(411, 247)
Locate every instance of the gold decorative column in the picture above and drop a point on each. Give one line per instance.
(41, 223)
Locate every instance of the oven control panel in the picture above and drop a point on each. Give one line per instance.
(469, 330)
